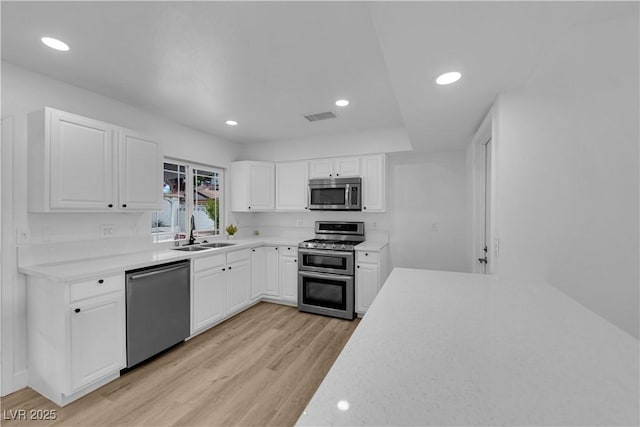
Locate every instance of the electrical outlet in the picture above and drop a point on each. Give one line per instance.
(299, 223)
(23, 236)
(107, 230)
(374, 225)
(435, 226)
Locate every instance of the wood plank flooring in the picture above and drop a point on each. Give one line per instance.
(259, 368)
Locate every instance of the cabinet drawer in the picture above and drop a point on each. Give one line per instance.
(367, 256)
(288, 251)
(235, 256)
(96, 287)
(206, 263)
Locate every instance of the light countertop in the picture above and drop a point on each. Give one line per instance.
(440, 348)
(89, 268)
(71, 271)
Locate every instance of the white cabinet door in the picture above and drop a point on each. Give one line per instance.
(347, 166)
(97, 339)
(321, 168)
(238, 286)
(258, 271)
(81, 162)
(209, 296)
(373, 183)
(366, 285)
(140, 172)
(261, 182)
(289, 273)
(291, 186)
(252, 186)
(272, 277)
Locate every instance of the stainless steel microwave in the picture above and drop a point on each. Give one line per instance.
(335, 194)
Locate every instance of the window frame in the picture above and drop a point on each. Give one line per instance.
(190, 206)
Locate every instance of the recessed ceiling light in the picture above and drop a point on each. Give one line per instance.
(342, 102)
(448, 78)
(343, 405)
(231, 122)
(55, 44)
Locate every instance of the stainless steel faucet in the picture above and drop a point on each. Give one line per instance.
(192, 239)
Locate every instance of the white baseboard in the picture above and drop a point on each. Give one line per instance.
(18, 381)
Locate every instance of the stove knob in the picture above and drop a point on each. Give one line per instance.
(333, 246)
(342, 247)
(324, 245)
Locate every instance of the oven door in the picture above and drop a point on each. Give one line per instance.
(325, 261)
(328, 294)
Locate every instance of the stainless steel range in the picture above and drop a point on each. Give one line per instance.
(326, 274)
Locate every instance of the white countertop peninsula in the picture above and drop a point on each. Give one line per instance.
(443, 349)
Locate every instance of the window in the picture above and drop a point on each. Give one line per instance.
(189, 190)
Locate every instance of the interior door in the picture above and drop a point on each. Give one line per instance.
(486, 212)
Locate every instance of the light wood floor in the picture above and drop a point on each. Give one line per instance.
(258, 368)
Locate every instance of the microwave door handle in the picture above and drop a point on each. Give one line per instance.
(347, 191)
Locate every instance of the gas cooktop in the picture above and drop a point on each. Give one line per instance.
(347, 245)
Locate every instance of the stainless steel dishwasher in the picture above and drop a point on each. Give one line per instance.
(158, 309)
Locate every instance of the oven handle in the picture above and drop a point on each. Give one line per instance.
(324, 252)
(324, 275)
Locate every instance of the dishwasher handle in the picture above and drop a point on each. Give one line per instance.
(158, 271)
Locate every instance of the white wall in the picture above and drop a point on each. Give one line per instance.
(23, 92)
(567, 149)
(387, 140)
(428, 211)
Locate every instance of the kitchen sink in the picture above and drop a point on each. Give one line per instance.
(190, 248)
(217, 245)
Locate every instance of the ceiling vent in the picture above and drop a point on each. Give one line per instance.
(320, 116)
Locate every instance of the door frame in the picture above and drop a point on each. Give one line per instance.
(485, 133)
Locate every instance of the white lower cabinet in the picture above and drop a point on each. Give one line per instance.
(209, 295)
(76, 335)
(272, 277)
(221, 286)
(97, 334)
(258, 271)
(288, 270)
(371, 272)
(238, 285)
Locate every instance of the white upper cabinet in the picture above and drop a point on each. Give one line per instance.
(140, 170)
(252, 186)
(374, 183)
(291, 186)
(77, 164)
(334, 168)
(347, 166)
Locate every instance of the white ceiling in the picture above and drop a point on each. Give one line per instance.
(266, 64)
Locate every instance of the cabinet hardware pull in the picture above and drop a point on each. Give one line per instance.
(77, 310)
(100, 282)
(364, 207)
(229, 268)
(330, 175)
(110, 205)
(253, 250)
(358, 266)
(295, 260)
(224, 269)
(366, 254)
(124, 205)
(249, 207)
(337, 174)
